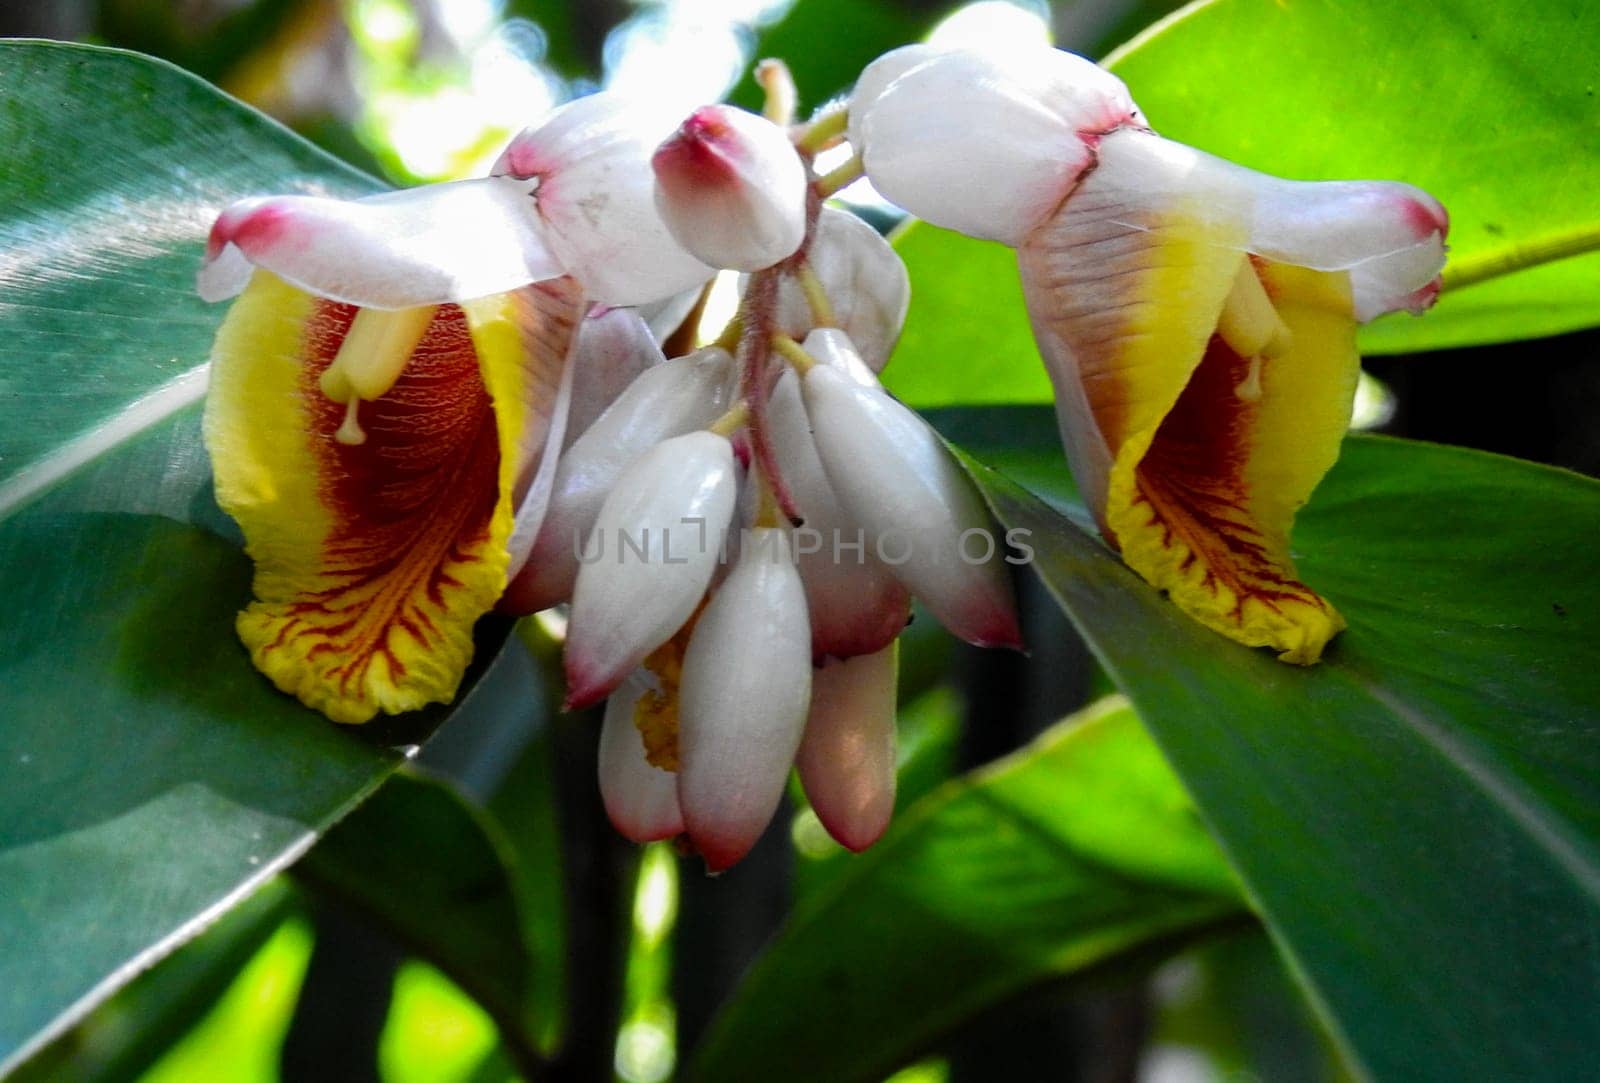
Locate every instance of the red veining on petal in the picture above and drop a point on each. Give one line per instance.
(1192, 481)
(411, 506)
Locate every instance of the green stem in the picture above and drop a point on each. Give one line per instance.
(1474, 269)
(823, 130)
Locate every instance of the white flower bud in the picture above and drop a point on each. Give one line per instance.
(649, 559)
(595, 198)
(922, 513)
(742, 701)
(669, 399)
(876, 77)
(640, 798)
(834, 348)
(846, 760)
(732, 189)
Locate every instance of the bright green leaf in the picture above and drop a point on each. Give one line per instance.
(1418, 817)
(1076, 849)
(240, 1040)
(1488, 105)
(966, 340)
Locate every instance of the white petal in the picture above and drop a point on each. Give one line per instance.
(857, 605)
(864, 279)
(667, 400)
(670, 505)
(876, 77)
(640, 798)
(732, 189)
(1389, 236)
(666, 316)
(742, 701)
(986, 143)
(614, 348)
(928, 523)
(419, 246)
(224, 274)
(833, 347)
(596, 197)
(846, 760)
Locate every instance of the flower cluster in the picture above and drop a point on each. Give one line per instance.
(430, 403)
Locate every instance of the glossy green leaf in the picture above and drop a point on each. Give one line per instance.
(1231, 1003)
(1358, 89)
(422, 862)
(116, 165)
(1075, 849)
(127, 1034)
(152, 777)
(1418, 817)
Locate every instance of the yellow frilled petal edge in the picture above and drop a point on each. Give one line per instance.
(1203, 393)
(373, 561)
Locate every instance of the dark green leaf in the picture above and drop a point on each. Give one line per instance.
(1234, 1005)
(1077, 848)
(525, 806)
(126, 1034)
(424, 863)
(152, 778)
(1417, 817)
(826, 43)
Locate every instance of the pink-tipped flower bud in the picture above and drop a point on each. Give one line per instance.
(743, 699)
(648, 561)
(923, 515)
(846, 759)
(730, 187)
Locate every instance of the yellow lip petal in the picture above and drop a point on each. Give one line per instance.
(1205, 512)
(373, 560)
(1193, 455)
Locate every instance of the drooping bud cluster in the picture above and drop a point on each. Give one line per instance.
(702, 613)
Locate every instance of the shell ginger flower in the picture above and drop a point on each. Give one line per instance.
(1197, 318)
